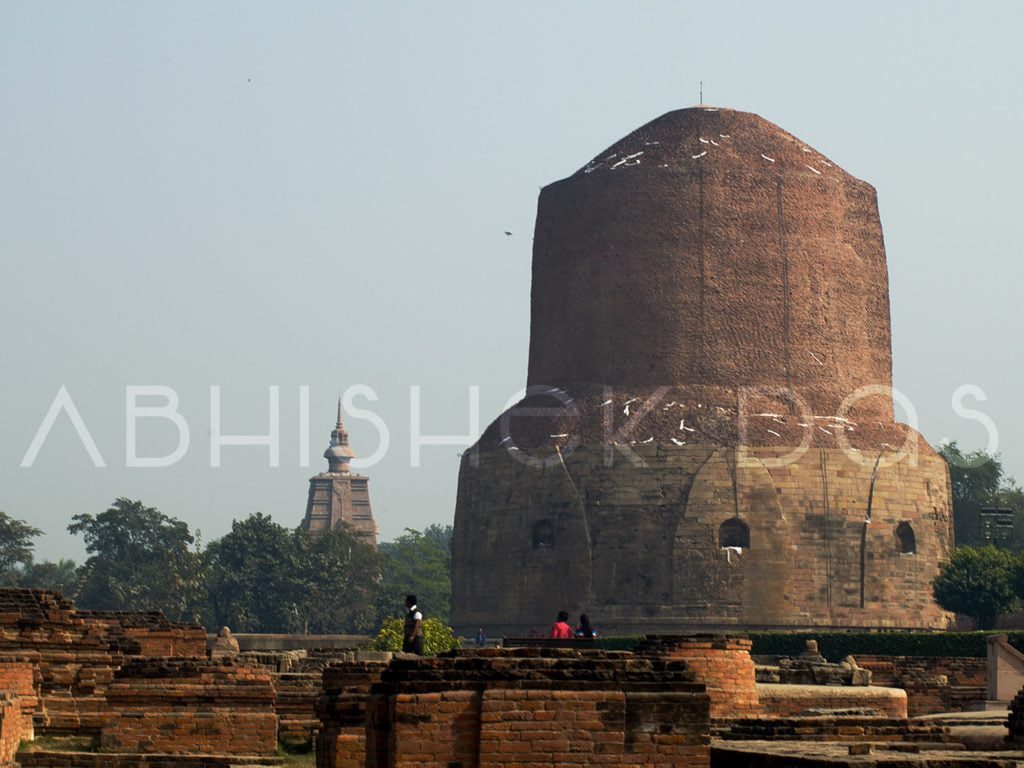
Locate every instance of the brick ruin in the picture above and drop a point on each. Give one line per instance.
(189, 706)
(699, 447)
(517, 707)
(677, 701)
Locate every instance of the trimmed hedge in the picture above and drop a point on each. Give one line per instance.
(620, 643)
(835, 646)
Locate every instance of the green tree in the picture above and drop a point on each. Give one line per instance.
(61, 576)
(139, 559)
(339, 578)
(16, 548)
(979, 582)
(418, 563)
(252, 577)
(975, 479)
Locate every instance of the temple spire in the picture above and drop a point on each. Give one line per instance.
(338, 453)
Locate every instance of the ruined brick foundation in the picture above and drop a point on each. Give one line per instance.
(186, 706)
(494, 708)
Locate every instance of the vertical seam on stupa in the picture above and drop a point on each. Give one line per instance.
(864, 528)
(827, 530)
(784, 253)
(700, 234)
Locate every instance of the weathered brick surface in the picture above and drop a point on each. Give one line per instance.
(342, 712)
(190, 706)
(295, 706)
(499, 709)
(18, 677)
(671, 278)
(721, 662)
(76, 653)
(830, 728)
(1015, 722)
(11, 723)
(933, 684)
(55, 759)
(155, 634)
(795, 700)
(637, 546)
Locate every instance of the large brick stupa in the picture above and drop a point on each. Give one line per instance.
(708, 438)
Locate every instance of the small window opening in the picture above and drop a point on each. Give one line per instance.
(734, 533)
(543, 534)
(908, 542)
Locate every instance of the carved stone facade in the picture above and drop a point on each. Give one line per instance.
(708, 438)
(337, 495)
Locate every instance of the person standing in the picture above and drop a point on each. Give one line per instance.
(481, 638)
(561, 630)
(412, 636)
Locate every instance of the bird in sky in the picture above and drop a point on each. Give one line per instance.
(507, 233)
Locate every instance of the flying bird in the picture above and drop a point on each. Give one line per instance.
(508, 234)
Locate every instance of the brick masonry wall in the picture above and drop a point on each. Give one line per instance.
(342, 711)
(180, 706)
(846, 728)
(11, 732)
(933, 684)
(75, 653)
(505, 708)
(295, 706)
(722, 663)
(18, 677)
(637, 547)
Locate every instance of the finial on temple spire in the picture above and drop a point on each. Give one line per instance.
(341, 424)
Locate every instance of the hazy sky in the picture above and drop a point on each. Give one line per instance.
(249, 194)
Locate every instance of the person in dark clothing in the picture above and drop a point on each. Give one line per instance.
(481, 638)
(584, 630)
(412, 636)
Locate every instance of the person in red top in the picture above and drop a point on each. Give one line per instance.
(561, 630)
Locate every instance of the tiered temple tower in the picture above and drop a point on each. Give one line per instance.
(338, 496)
(708, 438)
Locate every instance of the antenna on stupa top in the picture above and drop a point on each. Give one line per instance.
(700, 99)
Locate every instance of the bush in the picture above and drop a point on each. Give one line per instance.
(437, 637)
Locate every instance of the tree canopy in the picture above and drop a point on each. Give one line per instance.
(140, 559)
(16, 548)
(980, 582)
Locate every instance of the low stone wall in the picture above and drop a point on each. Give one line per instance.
(181, 706)
(782, 700)
(933, 684)
(504, 708)
(851, 728)
(721, 662)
